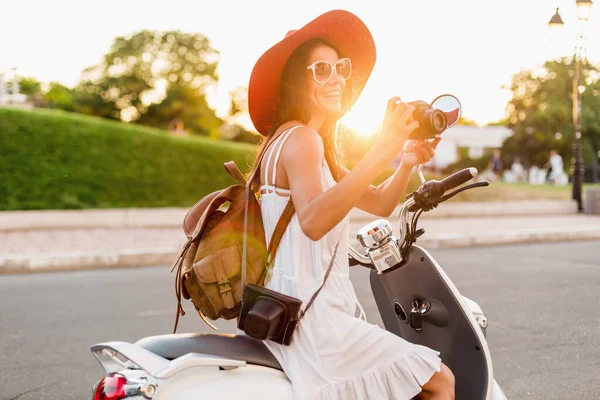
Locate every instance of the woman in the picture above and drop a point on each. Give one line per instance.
(298, 90)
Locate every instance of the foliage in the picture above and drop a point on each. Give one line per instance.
(183, 103)
(152, 72)
(57, 160)
(465, 121)
(29, 86)
(238, 133)
(59, 96)
(540, 113)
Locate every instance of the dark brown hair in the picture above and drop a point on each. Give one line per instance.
(293, 106)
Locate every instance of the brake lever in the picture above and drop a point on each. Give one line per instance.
(450, 195)
(428, 206)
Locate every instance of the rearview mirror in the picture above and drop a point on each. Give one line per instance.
(450, 106)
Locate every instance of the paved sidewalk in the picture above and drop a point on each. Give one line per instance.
(72, 249)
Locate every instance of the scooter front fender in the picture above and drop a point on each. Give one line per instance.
(497, 393)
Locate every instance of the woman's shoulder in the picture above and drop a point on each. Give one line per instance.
(304, 141)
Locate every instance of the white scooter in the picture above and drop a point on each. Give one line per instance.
(415, 298)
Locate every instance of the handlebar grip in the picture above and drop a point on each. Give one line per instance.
(457, 179)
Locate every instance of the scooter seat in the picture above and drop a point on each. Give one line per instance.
(238, 347)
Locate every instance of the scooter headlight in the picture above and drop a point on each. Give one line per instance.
(374, 234)
(381, 244)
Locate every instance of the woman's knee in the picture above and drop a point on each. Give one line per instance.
(441, 383)
(448, 377)
(446, 381)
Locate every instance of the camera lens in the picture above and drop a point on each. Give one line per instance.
(438, 121)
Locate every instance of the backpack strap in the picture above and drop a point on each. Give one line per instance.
(235, 172)
(280, 228)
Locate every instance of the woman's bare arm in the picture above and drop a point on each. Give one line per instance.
(320, 210)
(382, 199)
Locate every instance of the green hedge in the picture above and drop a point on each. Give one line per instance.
(59, 160)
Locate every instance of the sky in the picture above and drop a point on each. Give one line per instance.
(469, 48)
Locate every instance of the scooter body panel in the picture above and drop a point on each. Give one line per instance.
(251, 382)
(448, 327)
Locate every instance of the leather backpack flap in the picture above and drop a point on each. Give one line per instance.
(208, 236)
(204, 214)
(191, 219)
(185, 257)
(196, 221)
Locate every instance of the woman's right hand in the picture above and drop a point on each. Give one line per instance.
(397, 126)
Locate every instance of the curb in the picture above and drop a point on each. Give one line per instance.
(172, 217)
(490, 209)
(117, 218)
(45, 262)
(491, 238)
(19, 264)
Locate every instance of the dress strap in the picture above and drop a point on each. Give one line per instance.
(266, 185)
(284, 138)
(278, 145)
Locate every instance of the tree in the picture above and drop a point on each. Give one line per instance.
(238, 133)
(147, 71)
(465, 121)
(59, 96)
(186, 104)
(540, 113)
(29, 86)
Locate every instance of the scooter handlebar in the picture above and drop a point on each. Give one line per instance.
(457, 179)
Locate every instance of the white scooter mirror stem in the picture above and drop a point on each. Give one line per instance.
(420, 172)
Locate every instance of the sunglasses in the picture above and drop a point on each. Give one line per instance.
(323, 70)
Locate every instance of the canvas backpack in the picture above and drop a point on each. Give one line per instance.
(209, 269)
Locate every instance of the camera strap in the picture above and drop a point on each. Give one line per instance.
(314, 296)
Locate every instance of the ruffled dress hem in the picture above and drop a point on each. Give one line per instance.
(414, 370)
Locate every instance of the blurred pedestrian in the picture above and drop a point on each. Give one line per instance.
(176, 127)
(517, 170)
(496, 164)
(556, 167)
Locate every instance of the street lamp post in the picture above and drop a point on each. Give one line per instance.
(584, 7)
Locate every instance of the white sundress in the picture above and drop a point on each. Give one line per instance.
(334, 354)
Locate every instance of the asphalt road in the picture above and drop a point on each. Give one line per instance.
(542, 302)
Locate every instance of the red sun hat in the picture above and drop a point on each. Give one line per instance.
(344, 30)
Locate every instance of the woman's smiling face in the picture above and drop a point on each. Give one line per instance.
(324, 99)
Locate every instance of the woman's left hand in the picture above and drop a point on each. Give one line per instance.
(419, 152)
